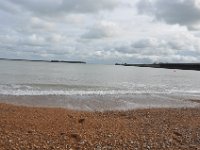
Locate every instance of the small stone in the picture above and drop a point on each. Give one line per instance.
(148, 147)
(177, 133)
(62, 133)
(30, 131)
(82, 120)
(109, 135)
(76, 136)
(98, 147)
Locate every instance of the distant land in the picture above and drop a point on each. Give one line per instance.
(53, 61)
(182, 66)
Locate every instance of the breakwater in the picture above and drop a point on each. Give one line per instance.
(182, 66)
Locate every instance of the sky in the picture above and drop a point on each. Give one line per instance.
(101, 31)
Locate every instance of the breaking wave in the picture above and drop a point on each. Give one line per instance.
(34, 90)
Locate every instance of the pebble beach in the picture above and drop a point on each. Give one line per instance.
(55, 128)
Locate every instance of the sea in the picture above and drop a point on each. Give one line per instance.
(95, 87)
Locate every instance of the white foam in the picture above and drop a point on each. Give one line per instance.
(28, 90)
(61, 92)
(19, 92)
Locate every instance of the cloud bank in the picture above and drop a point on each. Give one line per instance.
(106, 31)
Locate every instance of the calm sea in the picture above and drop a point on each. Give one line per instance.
(96, 87)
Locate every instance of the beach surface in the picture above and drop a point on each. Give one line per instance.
(55, 128)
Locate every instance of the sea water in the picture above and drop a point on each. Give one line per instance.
(96, 87)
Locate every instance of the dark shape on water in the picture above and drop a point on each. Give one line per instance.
(181, 66)
(63, 61)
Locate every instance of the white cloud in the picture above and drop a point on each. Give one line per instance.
(38, 23)
(102, 29)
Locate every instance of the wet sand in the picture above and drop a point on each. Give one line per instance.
(55, 128)
(101, 103)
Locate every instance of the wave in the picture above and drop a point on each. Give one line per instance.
(67, 93)
(82, 92)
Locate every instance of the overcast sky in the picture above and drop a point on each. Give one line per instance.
(101, 31)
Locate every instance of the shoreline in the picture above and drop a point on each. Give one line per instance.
(101, 103)
(40, 60)
(23, 127)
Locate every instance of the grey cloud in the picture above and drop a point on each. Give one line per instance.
(162, 50)
(54, 7)
(148, 46)
(161, 45)
(95, 33)
(183, 12)
(146, 43)
(8, 6)
(86, 6)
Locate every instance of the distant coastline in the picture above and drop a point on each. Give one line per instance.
(53, 61)
(181, 66)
